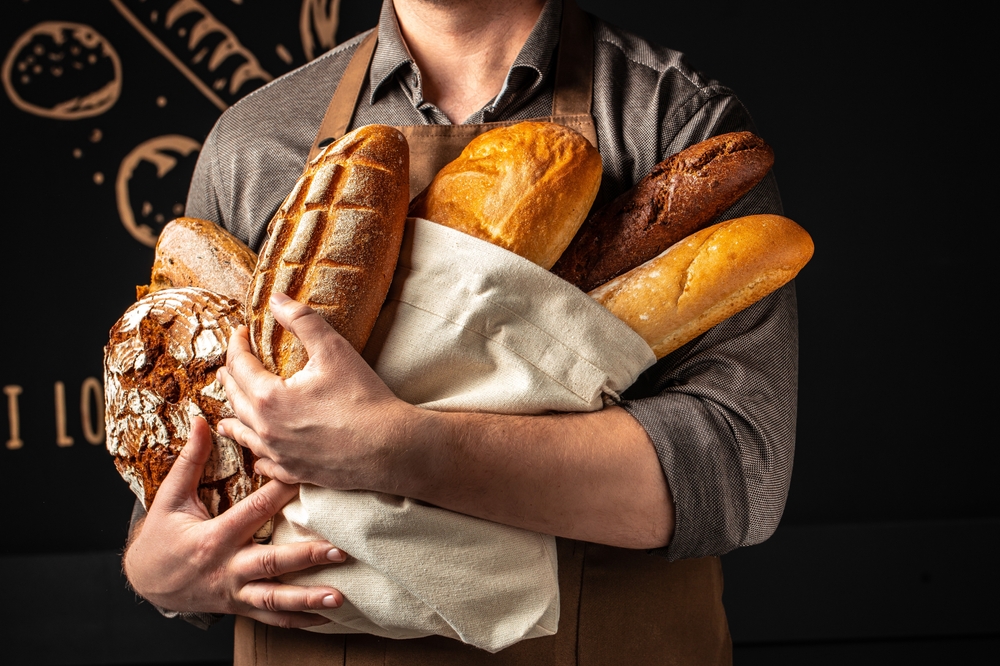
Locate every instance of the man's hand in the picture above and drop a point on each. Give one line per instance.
(593, 476)
(184, 560)
(333, 423)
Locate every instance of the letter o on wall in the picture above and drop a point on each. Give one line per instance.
(93, 429)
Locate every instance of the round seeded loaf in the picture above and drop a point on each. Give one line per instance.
(159, 372)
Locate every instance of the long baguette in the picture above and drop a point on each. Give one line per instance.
(706, 278)
(333, 244)
(681, 195)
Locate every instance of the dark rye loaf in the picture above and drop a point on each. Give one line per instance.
(681, 195)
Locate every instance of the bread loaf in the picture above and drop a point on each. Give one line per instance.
(159, 372)
(526, 188)
(706, 278)
(333, 244)
(681, 195)
(198, 253)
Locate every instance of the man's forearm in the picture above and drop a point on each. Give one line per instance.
(593, 476)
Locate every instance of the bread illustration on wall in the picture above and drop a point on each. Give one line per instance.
(152, 183)
(159, 372)
(318, 21)
(62, 70)
(200, 46)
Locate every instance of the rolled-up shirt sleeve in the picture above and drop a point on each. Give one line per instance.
(721, 410)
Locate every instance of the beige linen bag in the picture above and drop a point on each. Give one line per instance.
(467, 326)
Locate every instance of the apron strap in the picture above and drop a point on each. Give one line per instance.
(574, 85)
(339, 112)
(574, 81)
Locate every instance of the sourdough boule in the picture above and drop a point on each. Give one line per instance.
(159, 372)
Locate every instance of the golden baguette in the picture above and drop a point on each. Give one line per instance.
(706, 278)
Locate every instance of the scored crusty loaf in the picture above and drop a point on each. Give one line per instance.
(681, 195)
(526, 188)
(159, 372)
(198, 253)
(706, 278)
(334, 243)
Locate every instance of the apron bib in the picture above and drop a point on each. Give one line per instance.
(616, 605)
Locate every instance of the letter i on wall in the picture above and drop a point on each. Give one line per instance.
(12, 391)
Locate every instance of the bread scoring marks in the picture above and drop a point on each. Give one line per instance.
(333, 242)
(159, 373)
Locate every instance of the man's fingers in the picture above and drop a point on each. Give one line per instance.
(276, 597)
(239, 343)
(181, 482)
(272, 470)
(243, 373)
(244, 436)
(315, 334)
(274, 560)
(246, 516)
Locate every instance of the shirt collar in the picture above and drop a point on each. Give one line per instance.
(392, 60)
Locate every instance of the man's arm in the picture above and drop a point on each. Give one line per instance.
(335, 424)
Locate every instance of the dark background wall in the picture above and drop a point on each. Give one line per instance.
(882, 134)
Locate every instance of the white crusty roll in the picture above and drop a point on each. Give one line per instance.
(526, 188)
(334, 243)
(706, 278)
(159, 372)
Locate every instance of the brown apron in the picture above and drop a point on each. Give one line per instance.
(617, 606)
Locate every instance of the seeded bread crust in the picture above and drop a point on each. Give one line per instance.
(159, 372)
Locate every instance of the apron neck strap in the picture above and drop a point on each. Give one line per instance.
(345, 98)
(574, 84)
(574, 81)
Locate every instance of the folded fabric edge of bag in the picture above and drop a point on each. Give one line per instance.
(432, 251)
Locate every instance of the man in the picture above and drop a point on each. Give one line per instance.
(694, 462)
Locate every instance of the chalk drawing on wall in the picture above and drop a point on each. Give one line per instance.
(152, 184)
(198, 45)
(318, 26)
(62, 70)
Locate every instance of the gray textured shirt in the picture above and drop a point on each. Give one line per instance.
(721, 410)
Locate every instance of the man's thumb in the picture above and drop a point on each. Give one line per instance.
(182, 480)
